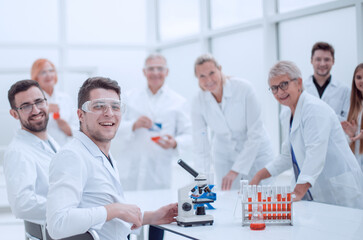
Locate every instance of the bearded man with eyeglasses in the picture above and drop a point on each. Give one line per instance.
(27, 158)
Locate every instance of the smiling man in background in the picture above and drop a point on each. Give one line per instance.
(322, 85)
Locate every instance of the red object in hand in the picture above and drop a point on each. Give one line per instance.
(156, 139)
(257, 226)
(56, 115)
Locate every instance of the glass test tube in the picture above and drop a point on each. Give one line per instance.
(249, 189)
(274, 200)
(245, 199)
(283, 195)
(264, 202)
(269, 199)
(278, 197)
(288, 198)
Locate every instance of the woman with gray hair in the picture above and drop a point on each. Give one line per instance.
(229, 107)
(315, 146)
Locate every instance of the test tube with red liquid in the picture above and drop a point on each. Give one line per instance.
(269, 199)
(264, 202)
(250, 202)
(278, 197)
(288, 198)
(274, 207)
(283, 195)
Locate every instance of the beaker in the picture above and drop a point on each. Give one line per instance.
(257, 222)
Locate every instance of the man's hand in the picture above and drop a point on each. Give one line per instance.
(228, 180)
(359, 136)
(52, 108)
(126, 212)
(163, 215)
(300, 190)
(167, 142)
(142, 122)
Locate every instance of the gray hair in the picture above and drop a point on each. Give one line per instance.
(205, 58)
(284, 68)
(155, 55)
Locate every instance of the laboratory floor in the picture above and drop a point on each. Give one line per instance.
(13, 229)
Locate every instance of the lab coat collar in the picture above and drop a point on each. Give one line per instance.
(158, 93)
(96, 152)
(333, 82)
(297, 114)
(227, 92)
(36, 141)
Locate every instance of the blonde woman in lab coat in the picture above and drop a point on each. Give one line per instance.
(315, 146)
(230, 109)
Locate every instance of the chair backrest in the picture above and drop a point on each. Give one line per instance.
(90, 235)
(33, 231)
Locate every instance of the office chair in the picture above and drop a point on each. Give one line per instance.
(35, 231)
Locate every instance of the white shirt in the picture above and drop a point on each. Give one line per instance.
(143, 163)
(26, 164)
(236, 128)
(322, 153)
(81, 182)
(68, 112)
(359, 156)
(336, 95)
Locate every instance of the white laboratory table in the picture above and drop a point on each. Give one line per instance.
(311, 220)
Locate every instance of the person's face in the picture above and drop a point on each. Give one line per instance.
(47, 76)
(322, 62)
(155, 72)
(209, 76)
(290, 96)
(100, 127)
(32, 110)
(358, 80)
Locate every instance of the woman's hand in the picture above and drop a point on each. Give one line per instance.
(349, 128)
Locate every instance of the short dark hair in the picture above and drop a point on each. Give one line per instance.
(322, 46)
(21, 86)
(94, 83)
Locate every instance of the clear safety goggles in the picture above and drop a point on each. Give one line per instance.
(155, 68)
(101, 105)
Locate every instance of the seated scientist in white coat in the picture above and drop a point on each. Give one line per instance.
(229, 107)
(84, 186)
(27, 158)
(153, 112)
(315, 146)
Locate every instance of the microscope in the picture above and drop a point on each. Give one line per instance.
(187, 217)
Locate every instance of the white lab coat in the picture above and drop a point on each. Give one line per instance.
(26, 165)
(68, 112)
(358, 155)
(239, 141)
(81, 183)
(336, 95)
(144, 164)
(322, 153)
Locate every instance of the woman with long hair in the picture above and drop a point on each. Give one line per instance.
(353, 127)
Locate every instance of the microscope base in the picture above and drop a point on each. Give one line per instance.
(194, 220)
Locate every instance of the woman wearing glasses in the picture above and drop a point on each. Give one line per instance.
(230, 109)
(325, 168)
(62, 114)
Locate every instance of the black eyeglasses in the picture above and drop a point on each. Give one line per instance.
(27, 108)
(283, 86)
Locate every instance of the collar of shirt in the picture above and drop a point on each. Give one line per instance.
(157, 94)
(34, 140)
(88, 143)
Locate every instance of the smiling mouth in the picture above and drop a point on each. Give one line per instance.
(107, 124)
(37, 117)
(284, 97)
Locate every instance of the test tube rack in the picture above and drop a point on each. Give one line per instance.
(275, 212)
